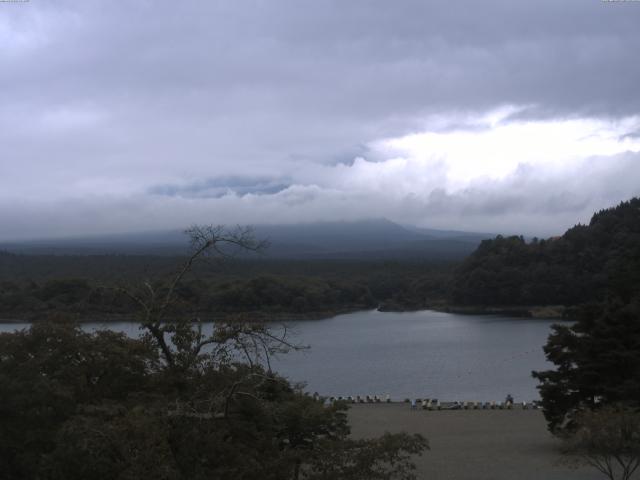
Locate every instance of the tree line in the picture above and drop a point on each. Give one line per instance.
(296, 288)
(592, 396)
(589, 262)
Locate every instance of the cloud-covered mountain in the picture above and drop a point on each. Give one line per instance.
(496, 115)
(366, 239)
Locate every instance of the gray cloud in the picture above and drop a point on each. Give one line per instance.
(114, 110)
(220, 186)
(527, 202)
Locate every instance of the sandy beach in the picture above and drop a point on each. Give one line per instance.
(473, 444)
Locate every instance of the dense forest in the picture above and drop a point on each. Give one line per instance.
(33, 286)
(596, 269)
(589, 262)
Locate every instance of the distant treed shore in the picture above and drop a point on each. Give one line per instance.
(89, 288)
(505, 276)
(587, 264)
(529, 311)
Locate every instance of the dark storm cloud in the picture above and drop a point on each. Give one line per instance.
(107, 102)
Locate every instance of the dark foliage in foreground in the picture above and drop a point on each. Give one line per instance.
(586, 263)
(102, 406)
(177, 403)
(597, 363)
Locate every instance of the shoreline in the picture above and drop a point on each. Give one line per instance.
(551, 312)
(203, 317)
(548, 312)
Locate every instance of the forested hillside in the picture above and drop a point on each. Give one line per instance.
(587, 263)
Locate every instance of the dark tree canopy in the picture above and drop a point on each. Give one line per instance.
(597, 362)
(176, 403)
(102, 406)
(586, 263)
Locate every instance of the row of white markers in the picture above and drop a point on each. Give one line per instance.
(435, 404)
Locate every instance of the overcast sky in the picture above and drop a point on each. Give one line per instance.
(497, 116)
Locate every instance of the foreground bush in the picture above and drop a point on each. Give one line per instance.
(77, 405)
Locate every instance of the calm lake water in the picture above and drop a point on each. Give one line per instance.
(412, 354)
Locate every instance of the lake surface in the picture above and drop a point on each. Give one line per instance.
(410, 354)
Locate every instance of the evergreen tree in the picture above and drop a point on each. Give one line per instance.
(597, 362)
(587, 263)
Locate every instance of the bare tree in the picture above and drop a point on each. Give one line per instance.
(186, 349)
(608, 439)
(182, 340)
